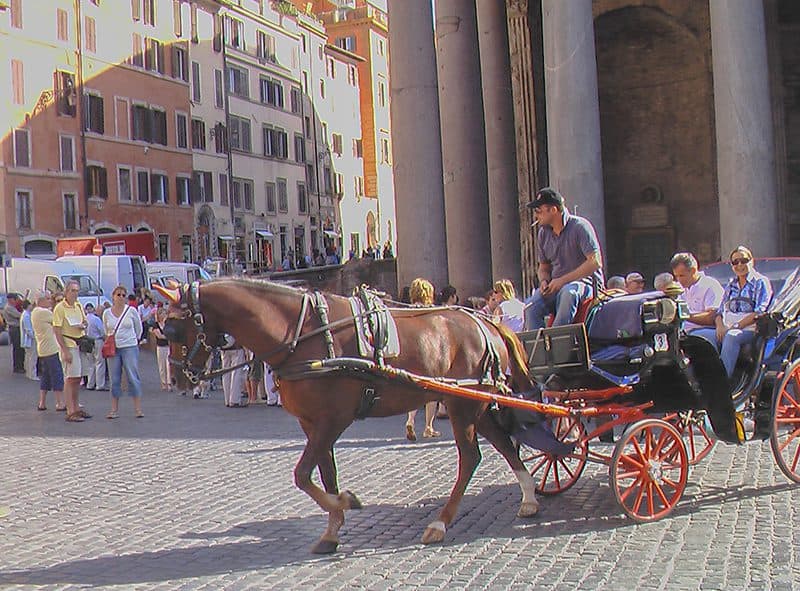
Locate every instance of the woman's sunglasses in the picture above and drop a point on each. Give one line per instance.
(735, 262)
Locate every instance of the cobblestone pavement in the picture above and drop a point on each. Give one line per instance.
(199, 496)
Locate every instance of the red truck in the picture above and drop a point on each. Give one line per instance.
(141, 243)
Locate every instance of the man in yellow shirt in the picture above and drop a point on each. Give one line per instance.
(51, 375)
(69, 324)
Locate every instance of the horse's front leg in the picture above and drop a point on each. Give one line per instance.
(329, 541)
(318, 452)
(500, 440)
(462, 417)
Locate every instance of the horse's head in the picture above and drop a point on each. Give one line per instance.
(191, 337)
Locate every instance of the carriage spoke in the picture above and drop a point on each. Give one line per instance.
(670, 482)
(662, 439)
(546, 473)
(661, 494)
(792, 436)
(631, 462)
(791, 401)
(556, 476)
(566, 467)
(640, 454)
(650, 501)
(796, 457)
(541, 463)
(788, 421)
(624, 494)
(638, 503)
(631, 474)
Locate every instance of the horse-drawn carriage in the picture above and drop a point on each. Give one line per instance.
(631, 365)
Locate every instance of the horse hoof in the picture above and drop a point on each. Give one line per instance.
(528, 509)
(325, 547)
(434, 533)
(350, 500)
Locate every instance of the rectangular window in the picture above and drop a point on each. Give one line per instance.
(240, 134)
(216, 43)
(265, 46)
(331, 68)
(62, 24)
(181, 131)
(237, 194)
(346, 43)
(295, 100)
(299, 148)
(141, 124)
(275, 143)
(163, 247)
(195, 82)
(202, 187)
(302, 199)
(136, 10)
(382, 94)
(338, 183)
(223, 188)
(65, 94)
(270, 191)
(150, 12)
(352, 76)
(337, 143)
(95, 117)
(91, 34)
(321, 88)
(193, 24)
(96, 182)
(238, 82)
(153, 55)
(22, 148)
(67, 147)
(16, 14)
(220, 138)
(198, 134)
(180, 70)
(311, 177)
(143, 186)
(327, 179)
(182, 190)
(159, 119)
(234, 33)
(177, 21)
(70, 212)
(283, 196)
(124, 181)
(307, 127)
(359, 186)
(271, 92)
(159, 188)
(243, 194)
(24, 212)
(219, 96)
(137, 55)
(17, 82)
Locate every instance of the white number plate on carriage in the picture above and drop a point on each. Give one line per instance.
(661, 342)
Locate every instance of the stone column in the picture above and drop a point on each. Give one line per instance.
(463, 147)
(573, 111)
(498, 113)
(748, 203)
(416, 145)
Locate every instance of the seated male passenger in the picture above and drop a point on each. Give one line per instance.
(702, 294)
(569, 257)
(745, 297)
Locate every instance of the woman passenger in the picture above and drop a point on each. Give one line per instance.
(509, 310)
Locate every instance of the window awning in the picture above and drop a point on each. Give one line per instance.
(226, 238)
(331, 233)
(264, 234)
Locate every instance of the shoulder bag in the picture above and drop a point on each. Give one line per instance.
(109, 348)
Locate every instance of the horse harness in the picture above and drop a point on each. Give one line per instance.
(374, 312)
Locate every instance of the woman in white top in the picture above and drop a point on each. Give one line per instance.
(124, 322)
(509, 311)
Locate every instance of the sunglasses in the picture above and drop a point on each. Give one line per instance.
(119, 295)
(735, 262)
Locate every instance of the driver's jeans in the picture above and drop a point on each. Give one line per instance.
(563, 305)
(731, 344)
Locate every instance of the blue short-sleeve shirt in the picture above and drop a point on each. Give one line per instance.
(568, 251)
(757, 289)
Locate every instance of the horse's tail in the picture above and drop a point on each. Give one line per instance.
(516, 357)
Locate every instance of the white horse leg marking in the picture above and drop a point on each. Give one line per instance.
(530, 505)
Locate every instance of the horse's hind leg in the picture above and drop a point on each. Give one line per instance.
(329, 541)
(469, 456)
(500, 440)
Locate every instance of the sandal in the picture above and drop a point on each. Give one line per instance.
(41, 408)
(84, 414)
(410, 434)
(431, 433)
(139, 414)
(75, 417)
(61, 409)
(112, 415)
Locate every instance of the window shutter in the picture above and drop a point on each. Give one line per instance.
(136, 9)
(160, 64)
(176, 17)
(103, 177)
(217, 33)
(174, 70)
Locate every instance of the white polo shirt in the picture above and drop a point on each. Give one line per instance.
(705, 294)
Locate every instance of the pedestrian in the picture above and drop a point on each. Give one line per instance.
(122, 321)
(421, 295)
(28, 341)
(97, 332)
(255, 378)
(69, 325)
(233, 379)
(12, 314)
(51, 374)
(271, 387)
(162, 351)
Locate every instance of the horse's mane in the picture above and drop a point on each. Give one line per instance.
(264, 285)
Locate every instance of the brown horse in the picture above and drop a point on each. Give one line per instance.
(282, 326)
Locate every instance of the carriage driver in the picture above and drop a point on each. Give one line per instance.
(569, 258)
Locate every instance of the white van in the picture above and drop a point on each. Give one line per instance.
(183, 272)
(115, 269)
(26, 276)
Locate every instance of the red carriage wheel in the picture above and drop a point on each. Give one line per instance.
(649, 469)
(785, 436)
(554, 474)
(692, 426)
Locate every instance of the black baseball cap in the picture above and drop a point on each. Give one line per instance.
(547, 196)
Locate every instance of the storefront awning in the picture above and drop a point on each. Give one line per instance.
(264, 234)
(226, 238)
(331, 233)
